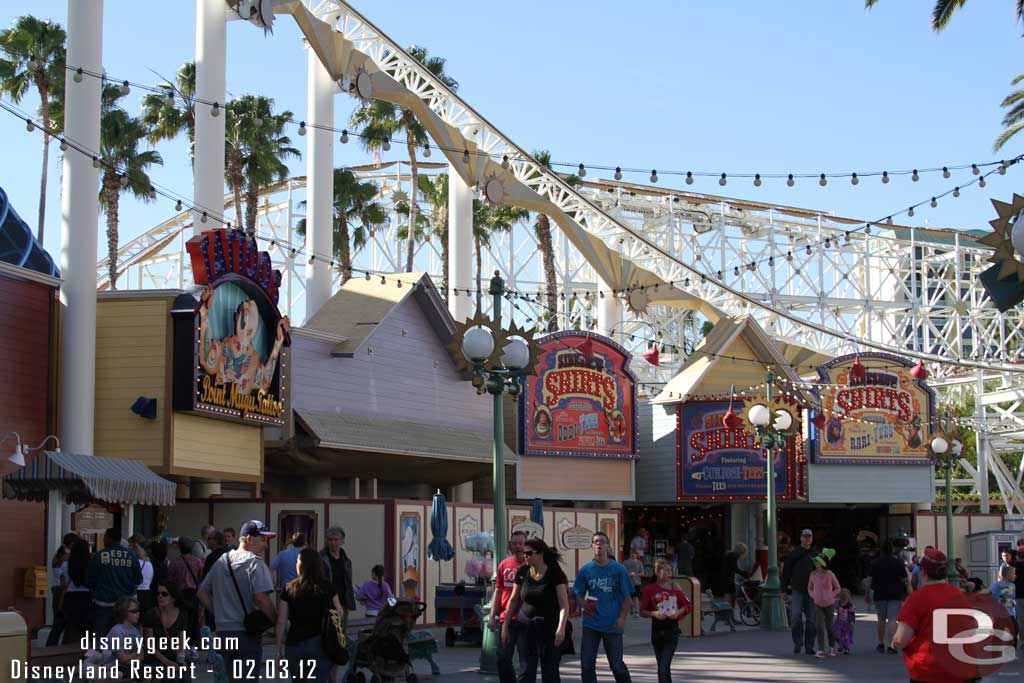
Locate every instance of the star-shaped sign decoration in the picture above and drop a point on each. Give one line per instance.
(1001, 239)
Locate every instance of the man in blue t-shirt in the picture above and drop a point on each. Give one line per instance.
(604, 589)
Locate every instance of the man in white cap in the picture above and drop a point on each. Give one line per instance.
(796, 574)
(240, 583)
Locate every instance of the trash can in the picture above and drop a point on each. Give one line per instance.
(689, 627)
(13, 644)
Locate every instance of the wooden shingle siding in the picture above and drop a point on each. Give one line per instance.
(886, 483)
(568, 478)
(656, 469)
(398, 381)
(131, 361)
(217, 446)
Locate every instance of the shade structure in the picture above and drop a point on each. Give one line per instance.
(85, 477)
(439, 548)
(537, 512)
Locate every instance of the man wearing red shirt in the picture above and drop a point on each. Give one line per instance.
(929, 661)
(503, 593)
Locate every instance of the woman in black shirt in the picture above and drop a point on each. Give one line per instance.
(304, 603)
(540, 601)
(169, 621)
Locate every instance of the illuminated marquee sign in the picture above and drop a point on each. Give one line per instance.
(581, 401)
(227, 350)
(715, 462)
(882, 417)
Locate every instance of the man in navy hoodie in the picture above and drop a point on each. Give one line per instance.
(113, 573)
(607, 589)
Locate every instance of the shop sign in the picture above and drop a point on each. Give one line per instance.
(94, 519)
(883, 417)
(237, 332)
(531, 529)
(581, 401)
(714, 462)
(577, 538)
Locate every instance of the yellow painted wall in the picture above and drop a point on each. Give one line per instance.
(215, 448)
(566, 478)
(132, 360)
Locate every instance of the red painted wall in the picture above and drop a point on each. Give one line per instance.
(26, 337)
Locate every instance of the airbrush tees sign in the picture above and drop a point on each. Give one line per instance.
(581, 401)
(237, 332)
(720, 463)
(877, 414)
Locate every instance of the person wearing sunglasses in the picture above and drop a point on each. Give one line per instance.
(125, 633)
(168, 621)
(540, 601)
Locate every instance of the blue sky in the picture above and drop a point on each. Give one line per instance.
(798, 86)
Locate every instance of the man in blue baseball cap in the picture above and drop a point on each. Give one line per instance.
(240, 583)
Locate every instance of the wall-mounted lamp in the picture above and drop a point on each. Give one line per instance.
(43, 443)
(18, 457)
(145, 407)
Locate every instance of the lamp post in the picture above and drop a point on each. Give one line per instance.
(772, 431)
(498, 359)
(945, 450)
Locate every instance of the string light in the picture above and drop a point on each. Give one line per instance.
(722, 181)
(581, 171)
(215, 110)
(618, 173)
(386, 145)
(757, 180)
(885, 176)
(426, 149)
(789, 180)
(344, 137)
(125, 88)
(823, 181)
(854, 180)
(654, 176)
(302, 128)
(77, 78)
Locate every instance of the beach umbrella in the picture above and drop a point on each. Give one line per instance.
(537, 512)
(439, 549)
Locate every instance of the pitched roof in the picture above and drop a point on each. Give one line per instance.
(356, 311)
(722, 336)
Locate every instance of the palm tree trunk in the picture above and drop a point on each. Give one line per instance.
(413, 204)
(111, 195)
(44, 97)
(479, 267)
(252, 198)
(444, 260)
(235, 173)
(547, 250)
(346, 251)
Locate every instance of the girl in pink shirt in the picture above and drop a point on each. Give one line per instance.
(823, 589)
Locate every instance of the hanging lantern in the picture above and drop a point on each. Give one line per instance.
(918, 371)
(857, 370)
(651, 356)
(731, 419)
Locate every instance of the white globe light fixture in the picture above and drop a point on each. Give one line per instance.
(478, 344)
(494, 191)
(783, 420)
(939, 445)
(516, 355)
(759, 415)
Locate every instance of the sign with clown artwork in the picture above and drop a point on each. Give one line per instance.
(873, 411)
(581, 401)
(234, 338)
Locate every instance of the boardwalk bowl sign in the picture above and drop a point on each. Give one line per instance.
(878, 414)
(581, 401)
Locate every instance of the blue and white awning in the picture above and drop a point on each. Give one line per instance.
(113, 480)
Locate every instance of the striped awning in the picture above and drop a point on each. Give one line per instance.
(82, 477)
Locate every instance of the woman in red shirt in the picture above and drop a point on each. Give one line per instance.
(665, 603)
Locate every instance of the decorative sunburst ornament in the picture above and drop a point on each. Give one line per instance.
(463, 364)
(1007, 231)
(527, 336)
(638, 301)
(774, 406)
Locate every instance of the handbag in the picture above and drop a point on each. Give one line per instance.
(255, 622)
(332, 638)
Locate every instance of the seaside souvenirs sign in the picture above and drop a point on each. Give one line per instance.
(581, 401)
(233, 346)
(714, 462)
(875, 412)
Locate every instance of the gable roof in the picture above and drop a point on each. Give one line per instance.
(722, 336)
(356, 311)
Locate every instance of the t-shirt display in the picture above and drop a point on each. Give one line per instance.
(306, 610)
(539, 595)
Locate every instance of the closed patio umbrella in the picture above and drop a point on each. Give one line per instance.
(439, 549)
(537, 512)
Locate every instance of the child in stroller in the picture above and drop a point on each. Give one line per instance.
(382, 649)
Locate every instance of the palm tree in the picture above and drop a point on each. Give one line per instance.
(435, 194)
(124, 168)
(163, 115)
(35, 57)
(1013, 122)
(356, 217)
(380, 121)
(245, 130)
(488, 220)
(264, 162)
(944, 9)
(546, 245)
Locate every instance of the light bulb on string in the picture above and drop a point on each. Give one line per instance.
(125, 88)
(689, 178)
(789, 180)
(386, 145)
(935, 202)
(77, 78)
(945, 172)
(914, 176)
(956, 191)
(974, 169)
(177, 206)
(910, 212)
(29, 126)
(618, 173)
(654, 175)
(302, 128)
(885, 176)
(1002, 168)
(853, 179)
(95, 162)
(170, 98)
(63, 145)
(465, 156)
(981, 181)
(823, 181)
(344, 137)
(426, 149)
(757, 180)
(124, 180)
(203, 218)
(722, 181)
(581, 172)
(215, 110)
(504, 161)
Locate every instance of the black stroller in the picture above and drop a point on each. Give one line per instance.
(382, 649)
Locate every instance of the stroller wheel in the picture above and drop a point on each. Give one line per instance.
(750, 614)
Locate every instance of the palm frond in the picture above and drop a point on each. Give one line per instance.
(1007, 135)
(943, 12)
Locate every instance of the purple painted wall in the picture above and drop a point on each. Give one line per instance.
(409, 377)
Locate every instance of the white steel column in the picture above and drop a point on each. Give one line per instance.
(981, 443)
(609, 312)
(211, 65)
(460, 246)
(78, 231)
(319, 182)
